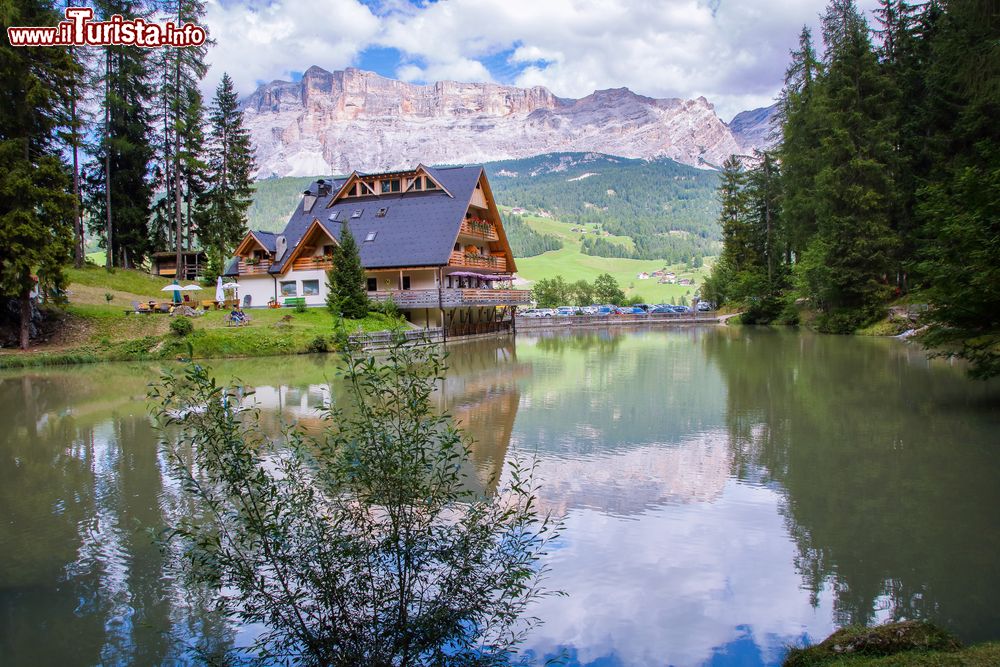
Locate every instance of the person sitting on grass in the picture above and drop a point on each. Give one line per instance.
(237, 316)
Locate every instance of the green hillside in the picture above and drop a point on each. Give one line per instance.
(570, 263)
(669, 210)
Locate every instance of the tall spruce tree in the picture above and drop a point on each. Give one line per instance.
(231, 164)
(799, 147)
(345, 281)
(36, 209)
(851, 255)
(959, 207)
(179, 71)
(119, 188)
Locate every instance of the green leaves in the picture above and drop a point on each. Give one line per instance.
(360, 544)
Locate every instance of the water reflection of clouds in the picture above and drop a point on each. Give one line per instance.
(678, 585)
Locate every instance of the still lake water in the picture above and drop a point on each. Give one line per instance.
(726, 493)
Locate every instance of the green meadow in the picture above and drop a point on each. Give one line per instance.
(570, 263)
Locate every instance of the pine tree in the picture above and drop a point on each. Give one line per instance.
(959, 207)
(194, 166)
(346, 292)
(119, 188)
(36, 210)
(180, 71)
(732, 213)
(231, 165)
(800, 132)
(853, 186)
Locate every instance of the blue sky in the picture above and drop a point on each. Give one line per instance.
(734, 53)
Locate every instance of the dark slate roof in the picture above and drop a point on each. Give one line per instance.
(267, 238)
(232, 267)
(418, 229)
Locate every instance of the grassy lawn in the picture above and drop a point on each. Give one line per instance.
(570, 263)
(92, 329)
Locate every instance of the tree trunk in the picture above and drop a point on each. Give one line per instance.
(177, 162)
(25, 318)
(108, 262)
(78, 246)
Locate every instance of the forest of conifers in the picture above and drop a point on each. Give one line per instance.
(885, 185)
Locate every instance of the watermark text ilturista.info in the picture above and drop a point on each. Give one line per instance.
(79, 29)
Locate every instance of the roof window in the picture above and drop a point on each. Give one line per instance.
(371, 236)
(381, 212)
(357, 213)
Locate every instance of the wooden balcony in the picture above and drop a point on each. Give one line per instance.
(250, 269)
(310, 263)
(453, 297)
(479, 229)
(492, 262)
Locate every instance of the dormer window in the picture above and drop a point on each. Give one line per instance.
(381, 212)
(357, 213)
(390, 185)
(418, 183)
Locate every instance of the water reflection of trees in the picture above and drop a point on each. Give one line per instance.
(888, 465)
(80, 581)
(602, 340)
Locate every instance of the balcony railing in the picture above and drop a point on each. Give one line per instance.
(309, 263)
(494, 262)
(453, 297)
(479, 229)
(261, 266)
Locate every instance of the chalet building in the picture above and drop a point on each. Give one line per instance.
(429, 239)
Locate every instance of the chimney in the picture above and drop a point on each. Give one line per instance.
(308, 199)
(322, 187)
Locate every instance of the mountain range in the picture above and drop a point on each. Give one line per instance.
(336, 122)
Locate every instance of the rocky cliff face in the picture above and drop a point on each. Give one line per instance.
(335, 122)
(753, 129)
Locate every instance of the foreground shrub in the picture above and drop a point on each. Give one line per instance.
(181, 326)
(360, 545)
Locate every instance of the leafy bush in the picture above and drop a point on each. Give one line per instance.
(359, 545)
(181, 326)
(318, 344)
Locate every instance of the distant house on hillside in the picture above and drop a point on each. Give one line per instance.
(429, 239)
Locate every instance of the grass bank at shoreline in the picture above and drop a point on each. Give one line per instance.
(94, 328)
(893, 645)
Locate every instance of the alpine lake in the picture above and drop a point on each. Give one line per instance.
(726, 492)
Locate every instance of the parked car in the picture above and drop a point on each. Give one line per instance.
(630, 310)
(705, 306)
(566, 311)
(604, 310)
(662, 310)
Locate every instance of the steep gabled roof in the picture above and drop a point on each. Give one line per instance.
(417, 229)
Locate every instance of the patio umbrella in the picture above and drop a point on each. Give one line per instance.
(219, 296)
(191, 288)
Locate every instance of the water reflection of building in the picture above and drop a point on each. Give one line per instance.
(480, 392)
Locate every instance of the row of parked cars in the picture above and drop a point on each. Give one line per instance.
(640, 309)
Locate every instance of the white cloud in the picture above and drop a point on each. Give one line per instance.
(271, 40)
(734, 55)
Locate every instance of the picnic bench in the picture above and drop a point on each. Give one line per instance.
(294, 301)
